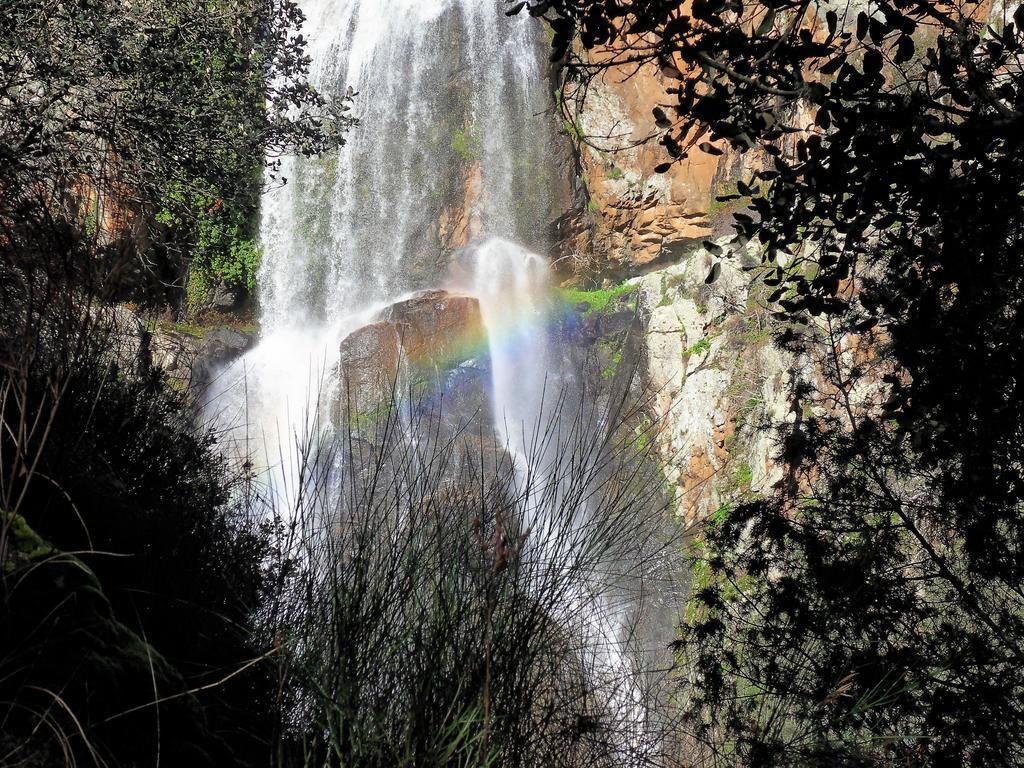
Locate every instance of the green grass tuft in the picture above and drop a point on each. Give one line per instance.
(598, 300)
(700, 347)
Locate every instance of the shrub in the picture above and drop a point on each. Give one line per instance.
(128, 576)
(454, 609)
(221, 238)
(596, 300)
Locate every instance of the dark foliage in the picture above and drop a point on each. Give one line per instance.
(120, 118)
(143, 583)
(872, 612)
(115, 118)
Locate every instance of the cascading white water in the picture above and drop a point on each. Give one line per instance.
(440, 86)
(445, 90)
(511, 285)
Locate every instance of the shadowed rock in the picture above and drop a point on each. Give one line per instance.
(369, 364)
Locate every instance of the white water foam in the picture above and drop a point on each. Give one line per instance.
(440, 85)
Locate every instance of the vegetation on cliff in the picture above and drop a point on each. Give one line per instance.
(131, 138)
(869, 613)
(134, 134)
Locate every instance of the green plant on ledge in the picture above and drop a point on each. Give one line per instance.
(699, 348)
(572, 130)
(224, 248)
(597, 300)
(744, 476)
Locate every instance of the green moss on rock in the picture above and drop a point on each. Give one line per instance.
(596, 300)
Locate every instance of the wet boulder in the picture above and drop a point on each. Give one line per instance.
(428, 353)
(215, 351)
(438, 330)
(368, 367)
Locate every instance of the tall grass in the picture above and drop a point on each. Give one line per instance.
(445, 603)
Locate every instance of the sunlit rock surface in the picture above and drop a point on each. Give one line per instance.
(437, 329)
(720, 391)
(421, 352)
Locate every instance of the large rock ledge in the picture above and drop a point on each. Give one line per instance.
(428, 347)
(189, 355)
(437, 328)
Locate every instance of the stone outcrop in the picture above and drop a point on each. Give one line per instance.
(191, 356)
(369, 362)
(421, 367)
(437, 328)
(634, 217)
(430, 345)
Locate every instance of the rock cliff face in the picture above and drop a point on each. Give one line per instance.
(190, 356)
(633, 218)
(717, 390)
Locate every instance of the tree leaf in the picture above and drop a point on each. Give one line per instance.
(862, 25)
(767, 23)
(904, 49)
(831, 67)
(716, 270)
(872, 61)
(709, 148)
(877, 31)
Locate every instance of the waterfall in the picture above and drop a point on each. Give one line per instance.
(510, 282)
(452, 102)
(440, 86)
(445, 91)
